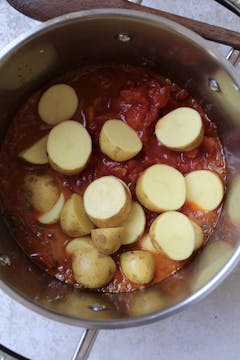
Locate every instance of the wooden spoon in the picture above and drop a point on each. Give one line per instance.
(47, 9)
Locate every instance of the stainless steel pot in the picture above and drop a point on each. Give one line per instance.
(122, 36)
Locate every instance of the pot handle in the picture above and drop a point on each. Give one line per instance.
(85, 344)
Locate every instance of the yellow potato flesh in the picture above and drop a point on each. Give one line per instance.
(79, 244)
(57, 103)
(134, 225)
(107, 240)
(92, 269)
(138, 266)
(53, 215)
(119, 141)
(198, 235)
(69, 147)
(107, 202)
(146, 244)
(173, 233)
(37, 153)
(161, 188)
(204, 189)
(74, 220)
(181, 129)
(41, 191)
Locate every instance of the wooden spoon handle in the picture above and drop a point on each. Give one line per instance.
(45, 9)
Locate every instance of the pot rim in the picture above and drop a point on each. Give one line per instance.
(232, 262)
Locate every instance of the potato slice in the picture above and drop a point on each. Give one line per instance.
(69, 147)
(173, 233)
(134, 225)
(138, 266)
(36, 153)
(107, 202)
(53, 215)
(41, 191)
(119, 141)
(57, 103)
(107, 240)
(198, 235)
(74, 220)
(146, 244)
(181, 129)
(79, 244)
(161, 188)
(92, 269)
(204, 189)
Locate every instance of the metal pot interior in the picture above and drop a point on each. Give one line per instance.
(114, 36)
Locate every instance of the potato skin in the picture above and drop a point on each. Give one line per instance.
(79, 244)
(138, 266)
(92, 269)
(74, 220)
(41, 191)
(108, 240)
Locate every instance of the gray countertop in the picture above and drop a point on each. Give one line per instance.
(209, 329)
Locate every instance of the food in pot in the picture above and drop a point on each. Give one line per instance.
(57, 103)
(107, 240)
(181, 129)
(74, 220)
(119, 141)
(36, 153)
(91, 219)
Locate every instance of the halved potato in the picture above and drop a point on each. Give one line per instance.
(79, 244)
(134, 225)
(119, 141)
(57, 103)
(107, 240)
(161, 188)
(69, 147)
(107, 202)
(53, 215)
(181, 129)
(146, 244)
(138, 266)
(74, 220)
(41, 191)
(204, 189)
(173, 233)
(198, 235)
(36, 153)
(92, 269)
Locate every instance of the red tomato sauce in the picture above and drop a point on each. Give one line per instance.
(135, 95)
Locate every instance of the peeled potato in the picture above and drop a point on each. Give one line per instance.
(79, 244)
(41, 191)
(53, 215)
(173, 233)
(198, 235)
(204, 189)
(36, 153)
(146, 244)
(161, 188)
(107, 202)
(107, 240)
(69, 147)
(74, 220)
(92, 269)
(181, 129)
(134, 225)
(57, 103)
(138, 266)
(119, 141)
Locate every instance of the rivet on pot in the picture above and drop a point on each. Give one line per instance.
(213, 84)
(123, 37)
(97, 307)
(5, 260)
